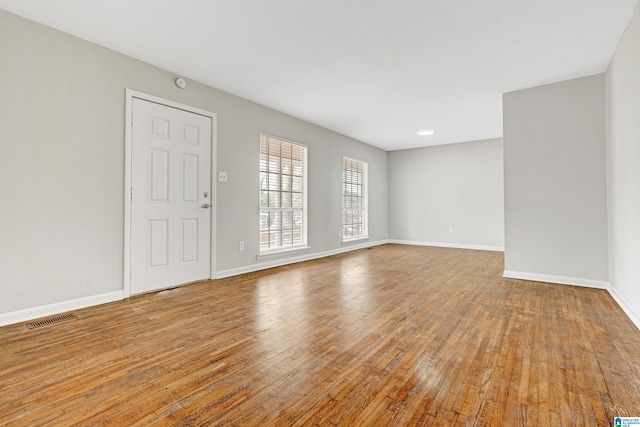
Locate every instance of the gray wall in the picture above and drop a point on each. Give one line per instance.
(555, 181)
(62, 166)
(459, 186)
(623, 156)
(62, 173)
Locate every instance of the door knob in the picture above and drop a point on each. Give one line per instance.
(206, 206)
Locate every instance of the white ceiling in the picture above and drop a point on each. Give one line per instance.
(375, 70)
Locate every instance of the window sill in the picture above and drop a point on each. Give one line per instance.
(282, 252)
(355, 240)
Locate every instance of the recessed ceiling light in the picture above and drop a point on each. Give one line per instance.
(425, 132)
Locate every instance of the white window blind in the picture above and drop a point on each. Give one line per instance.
(354, 199)
(283, 198)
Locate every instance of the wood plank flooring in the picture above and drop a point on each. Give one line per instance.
(389, 336)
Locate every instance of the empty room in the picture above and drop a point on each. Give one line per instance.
(336, 213)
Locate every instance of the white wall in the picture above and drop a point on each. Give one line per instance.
(555, 182)
(457, 186)
(62, 108)
(623, 168)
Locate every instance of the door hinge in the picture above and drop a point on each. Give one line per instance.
(131, 194)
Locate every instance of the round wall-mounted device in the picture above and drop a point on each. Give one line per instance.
(181, 83)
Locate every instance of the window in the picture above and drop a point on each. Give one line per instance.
(283, 198)
(354, 199)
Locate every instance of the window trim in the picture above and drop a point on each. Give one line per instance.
(283, 250)
(365, 202)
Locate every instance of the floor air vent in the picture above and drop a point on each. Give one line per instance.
(51, 321)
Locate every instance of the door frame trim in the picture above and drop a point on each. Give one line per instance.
(130, 94)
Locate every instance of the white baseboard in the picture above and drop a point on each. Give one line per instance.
(77, 304)
(449, 245)
(561, 280)
(625, 306)
(292, 260)
(60, 307)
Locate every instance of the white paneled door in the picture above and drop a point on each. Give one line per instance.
(170, 196)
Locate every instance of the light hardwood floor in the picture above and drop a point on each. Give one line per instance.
(393, 335)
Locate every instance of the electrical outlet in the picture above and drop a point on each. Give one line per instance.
(241, 246)
(222, 176)
(450, 229)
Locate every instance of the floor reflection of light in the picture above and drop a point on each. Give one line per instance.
(283, 313)
(426, 371)
(280, 305)
(355, 283)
